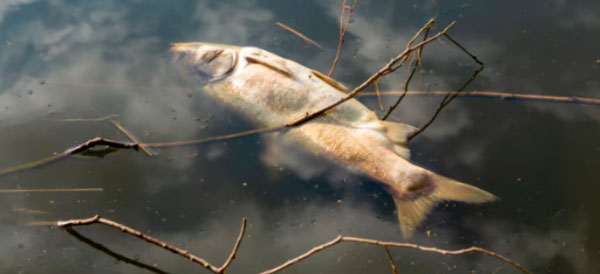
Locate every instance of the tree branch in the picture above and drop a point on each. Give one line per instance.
(390, 67)
(235, 248)
(297, 33)
(157, 242)
(339, 239)
(343, 28)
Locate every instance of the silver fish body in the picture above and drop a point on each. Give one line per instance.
(270, 91)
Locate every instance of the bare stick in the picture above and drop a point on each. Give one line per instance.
(492, 94)
(468, 94)
(132, 138)
(133, 232)
(100, 141)
(340, 238)
(392, 263)
(235, 247)
(30, 211)
(463, 49)
(216, 138)
(60, 156)
(376, 84)
(93, 189)
(343, 28)
(393, 107)
(304, 256)
(104, 118)
(426, 28)
(447, 99)
(34, 164)
(394, 64)
(155, 241)
(297, 33)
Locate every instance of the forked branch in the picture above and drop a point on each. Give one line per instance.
(97, 219)
(339, 239)
(343, 28)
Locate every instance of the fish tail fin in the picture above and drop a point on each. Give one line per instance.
(419, 197)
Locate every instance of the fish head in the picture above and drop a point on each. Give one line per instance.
(204, 62)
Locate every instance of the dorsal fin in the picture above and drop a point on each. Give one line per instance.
(335, 84)
(270, 63)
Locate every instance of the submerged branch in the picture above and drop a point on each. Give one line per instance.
(92, 189)
(99, 119)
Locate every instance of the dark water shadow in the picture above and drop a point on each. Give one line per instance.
(111, 253)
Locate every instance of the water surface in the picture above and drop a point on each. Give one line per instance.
(84, 59)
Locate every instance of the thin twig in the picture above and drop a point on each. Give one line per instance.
(392, 263)
(235, 247)
(447, 99)
(464, 94)
(427, 27)
(132, 138)
(338, 239)
(394, 64)
(30, 211)
(393, 107)
(104, 118)
(216, 138)
(463, 49)
(34, 164)
(376, 84)
(111, 253)
(93, 189)
(297, 33)
(133, 232)
(303, 256)
(61, 156)
(492, 94)
(343, 28)
(98, 141)
(155, 241)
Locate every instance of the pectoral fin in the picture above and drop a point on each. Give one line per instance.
(275, 65)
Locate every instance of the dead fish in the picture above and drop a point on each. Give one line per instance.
(270, 90)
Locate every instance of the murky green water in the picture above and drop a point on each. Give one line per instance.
(85, 59)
